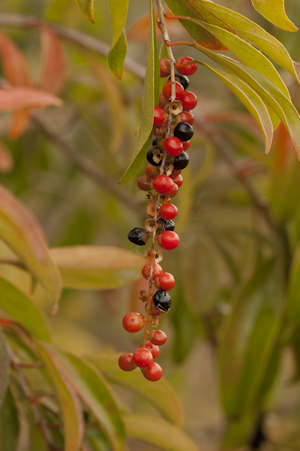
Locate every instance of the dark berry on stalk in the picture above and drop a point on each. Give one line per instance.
(162, 301)
(168, 224)
(154, 141)
(184, 131)
(182, 161)
(150, 156)
(183, 80)
(138, 236)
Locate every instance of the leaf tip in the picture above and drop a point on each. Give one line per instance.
(54, 310)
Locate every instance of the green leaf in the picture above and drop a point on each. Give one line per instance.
(22, 308)
(250, 99)
(87, 8)
(255, 34)
(116, 56)
(9, 424)
(149, 100)
(293, 292)
(69, 404)
(161, 394)
(4, 368)
(158, 432)
(274, 12)
(97, 268)
(22, 233)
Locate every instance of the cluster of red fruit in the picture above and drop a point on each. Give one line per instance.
(167, 157)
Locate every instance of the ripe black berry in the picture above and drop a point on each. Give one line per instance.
(183, 131)
(168, 224)
(162, 301)
(138, 236)
(183, 80)
(154, 141)
(182, 161)
(150, 156)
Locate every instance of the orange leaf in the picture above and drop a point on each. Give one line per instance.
(6, 159)
(18, 98)
(20, 119)
(14, 65)
(53, 70)
(139, 30)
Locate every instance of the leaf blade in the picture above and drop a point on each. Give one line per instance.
(116, 56)
(87, 9)
(274, 12)
(4, 368)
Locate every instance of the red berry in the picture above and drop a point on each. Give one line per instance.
(178, 180)
(154, 349)
(162, 101)
(142, 357)
(144, 183)
(174, 190)
(165, 69)
(159, 116)
(151, 171)
(168, 240)
(158, 337)
(187, 116)
(157, 269)
(167, 90)
(165, 281)
(126, 362)
(173, 146)
(163, 184)
(189, 101)
(153, 372)
(185, 70)
(175, 172)
(133, 322)
(168, 211)
(186, 145)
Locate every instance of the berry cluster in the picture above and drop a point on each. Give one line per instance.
(167, 157)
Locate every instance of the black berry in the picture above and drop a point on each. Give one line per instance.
(150, 156)
(182, 161)
(183, 131)
(168, 224)
(162, 301)
(183, 80)
(154, 141)
(138, 236)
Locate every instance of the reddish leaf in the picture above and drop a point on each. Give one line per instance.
(20, 119)
(14, 65)
(6, 159)
(53, 71)
(138, 32)
(18, 98)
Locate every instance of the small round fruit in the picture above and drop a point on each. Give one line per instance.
(167, 90)
(188, 100)
(168, 211)
(183, 80)
(157, 269)
(182, 161)
(165, 69)
(165, 281)
(133, 322)
(150, 155)
(159, 116)
(187, 116)
(185, 70)
(178, 180)
(162, 301)
(186, 145)
(151, 171)
(162, 101)
(154, 349)
(174, 190)
(154, 141)
(168, 224)
(144, 183)
(126, 362)
(158, 337)
(173, 146)
(142, 357)
(175, 172)
(183, 131)
(153, 372)
(138, 236)
(168, 240)
(163, 184)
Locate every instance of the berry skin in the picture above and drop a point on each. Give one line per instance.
(153, 372)
(173, 191)
(183, 131)
(167, 90)
(168, 240)
(162, 301)
(188, 100)
(133, 322)
(158, 337)
(157, 269)
(138, 236)
(142, 357)
(165, 281)
(150, 156)
(185, 70)
(154, 349)
(183, 80)
(162, 101)
(187, 116)
(175, 172)
(159, 117)
(151, 171)
(182, 161)
(168, 225)
(154, 141)
(126, 362)
(163, 184)
(178, 180)
(186, 145)
(168, 211)
(173, 146)
(165, 69)
(144, 183)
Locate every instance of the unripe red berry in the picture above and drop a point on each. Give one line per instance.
(168, 240)
(151, 171)
(168, 211)
(175, 172)
(162, 101)
(126, 362)
(142, 357)
(178, 180)
(157, 269)
(165, 281)
(154, 349)
(187, 116)
(144, 183)
(158, 337)
(188, 100)
(185, 70)
(133, 322)
(165, 69)
(159, 116)
(167, 90)
(173, 146)
(163, 184)
(186, 145)
(174, 190)
(153, 372)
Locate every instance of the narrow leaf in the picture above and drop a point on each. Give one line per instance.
(116, 56)
(6, 159)
(14, 65)
(87, 8)
(20, 120)
(293, 293)
(274, 12)
(18, 98)
(9, 424)
(4, 368)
